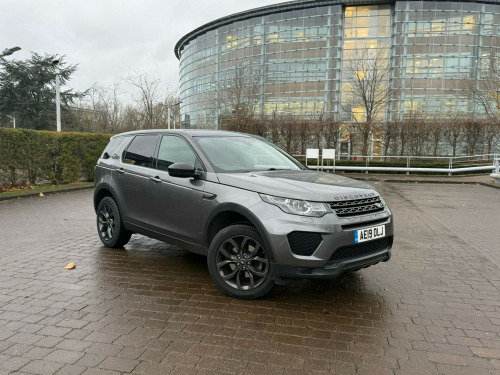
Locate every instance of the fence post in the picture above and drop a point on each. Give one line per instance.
(496, 173)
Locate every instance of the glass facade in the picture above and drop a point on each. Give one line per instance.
(365, 62)
(299, 59)
(436, 44)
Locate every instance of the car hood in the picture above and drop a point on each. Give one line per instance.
(299, 184)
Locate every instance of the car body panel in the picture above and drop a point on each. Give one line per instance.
(297, 184)
(174, 206)
(131, 187)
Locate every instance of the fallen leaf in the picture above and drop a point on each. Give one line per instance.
(41, 194)
(70, 266)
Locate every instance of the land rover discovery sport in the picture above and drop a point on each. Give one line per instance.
(259, 215)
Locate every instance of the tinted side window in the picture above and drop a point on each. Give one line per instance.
(113, 145)
(174, 150)
(140, 151)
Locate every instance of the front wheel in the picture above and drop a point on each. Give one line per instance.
(239, 264)
(109, 224)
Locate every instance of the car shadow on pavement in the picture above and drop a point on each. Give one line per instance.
(146, 267)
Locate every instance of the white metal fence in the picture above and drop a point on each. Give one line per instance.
(455, 164)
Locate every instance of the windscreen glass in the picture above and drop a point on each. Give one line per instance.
(245, 154)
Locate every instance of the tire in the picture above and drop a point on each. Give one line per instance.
(239, 264)
(109, 224)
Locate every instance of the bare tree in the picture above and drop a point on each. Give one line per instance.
(366, 90)
(491, 134)
(486, 91)
(389, 137)
(303, 135)
(273, 127)
(472, 136)
(419, 136)
(109, 108)
(436, 135)
(331, 132)
(131, 119)
(453, 133)
(147, 96)
(404, 135)
(324, 129)
(106, 107)
(258, 126)
(316, 128)
(239, 95)
(288, 133)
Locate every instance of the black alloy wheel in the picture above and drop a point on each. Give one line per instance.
(239, 263)
(109, 225)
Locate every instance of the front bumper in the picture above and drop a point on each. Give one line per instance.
(337, 237)
(330, 271)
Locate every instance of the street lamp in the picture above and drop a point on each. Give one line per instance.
(9, 51)
(55, 62)
(13, 120)
(169, 109)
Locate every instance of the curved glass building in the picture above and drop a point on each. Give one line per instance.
(306, 57)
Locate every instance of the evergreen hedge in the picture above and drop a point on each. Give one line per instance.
(31, 156)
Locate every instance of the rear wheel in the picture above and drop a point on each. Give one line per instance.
(109, 224)
(239, 264)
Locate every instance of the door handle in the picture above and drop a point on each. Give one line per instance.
(155, 179)
(208, 196)
(120, 171)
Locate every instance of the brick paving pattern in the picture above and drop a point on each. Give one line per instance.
(152, 308)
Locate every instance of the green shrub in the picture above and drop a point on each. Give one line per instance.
(30, 156)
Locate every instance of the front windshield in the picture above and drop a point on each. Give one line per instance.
(245, 154)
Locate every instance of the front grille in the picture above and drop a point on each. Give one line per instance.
(304, 243)
(361, 249)
(357, 207)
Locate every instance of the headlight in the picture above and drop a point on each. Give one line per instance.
(296, 206)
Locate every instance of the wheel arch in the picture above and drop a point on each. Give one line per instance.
(232, 214)
(102, 191)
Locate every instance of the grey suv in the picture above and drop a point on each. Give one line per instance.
(259, 215)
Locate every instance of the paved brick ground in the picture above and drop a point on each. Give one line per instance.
(152, 308)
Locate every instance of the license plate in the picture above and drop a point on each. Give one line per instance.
(369, 234)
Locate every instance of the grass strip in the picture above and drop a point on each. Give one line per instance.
(44, 188)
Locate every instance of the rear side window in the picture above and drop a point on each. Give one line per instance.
(140, 152)
(112, 146)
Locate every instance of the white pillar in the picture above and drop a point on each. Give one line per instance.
(58, 102)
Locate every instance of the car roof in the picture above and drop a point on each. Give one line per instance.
(188, 132)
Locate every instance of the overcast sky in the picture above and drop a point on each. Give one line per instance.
(110, 38)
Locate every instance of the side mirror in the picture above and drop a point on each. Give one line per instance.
(183, 170)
